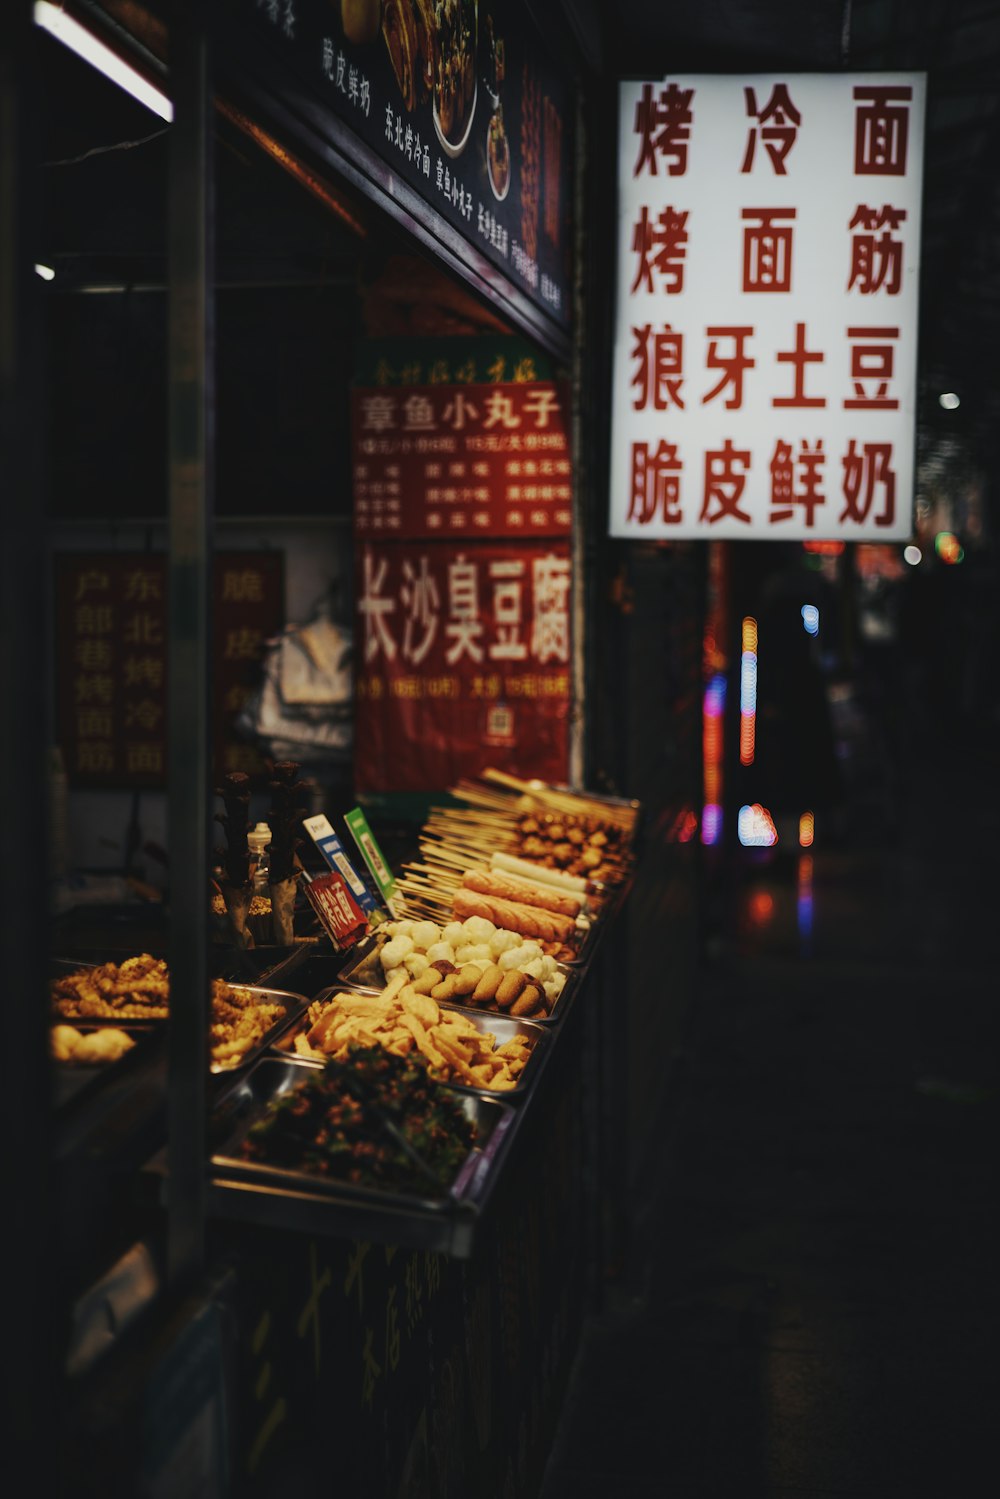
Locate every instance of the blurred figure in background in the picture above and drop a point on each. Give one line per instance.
(795, 766)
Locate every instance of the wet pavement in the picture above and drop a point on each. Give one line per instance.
(811, 1304)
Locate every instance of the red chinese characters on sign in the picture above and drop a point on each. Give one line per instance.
(111, 660)
(441, 461)
(660, 245)
(663, 125)
(767, 249)
(872, 356)
(659, 368)
(876, 258)
(869, 484)
(110, 650)
(765, 360)
(732, 368)
(462, 650)
(881, 130)
(776, 122)
(797, 481)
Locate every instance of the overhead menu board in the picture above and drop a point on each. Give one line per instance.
(460, 101)
(766, 331)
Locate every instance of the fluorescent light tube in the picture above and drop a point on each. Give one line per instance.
(53, 18)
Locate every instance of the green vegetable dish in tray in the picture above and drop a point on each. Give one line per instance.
(373, 1120)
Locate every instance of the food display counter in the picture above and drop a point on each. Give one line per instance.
(429, 1297)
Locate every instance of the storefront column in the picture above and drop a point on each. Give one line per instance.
(191, 375)
(31, 1321)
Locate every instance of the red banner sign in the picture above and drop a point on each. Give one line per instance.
(446, 461)
(111, 660)
(463, 657)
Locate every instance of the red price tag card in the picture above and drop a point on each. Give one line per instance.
(342, 917)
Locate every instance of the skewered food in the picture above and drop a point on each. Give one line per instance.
(578, 844)
(289, 799)
(412, 1024)
(493, 883)
(531, 921)
(332, 1123)
(236, 889)
(235, 793)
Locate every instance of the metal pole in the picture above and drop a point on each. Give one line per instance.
(190, 558)
(582, 469)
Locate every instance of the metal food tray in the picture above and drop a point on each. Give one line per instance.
(71, 1082)
(504, 1027)
(302, 1201)
(295, 1007)
(364, 972)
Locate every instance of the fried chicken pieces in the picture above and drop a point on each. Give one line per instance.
(139, 989)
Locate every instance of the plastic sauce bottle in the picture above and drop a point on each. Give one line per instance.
(258, 840)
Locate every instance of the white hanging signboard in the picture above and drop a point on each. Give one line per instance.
(765, 353)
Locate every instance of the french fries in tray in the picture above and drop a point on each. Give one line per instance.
(456, 1048)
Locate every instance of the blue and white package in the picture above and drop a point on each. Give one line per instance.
(330, 846)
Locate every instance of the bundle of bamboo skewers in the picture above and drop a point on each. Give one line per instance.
(456, 839)
(509, 795)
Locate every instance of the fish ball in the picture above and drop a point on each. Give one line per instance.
(395, 951)
(478, 929)
(472, 952)
(425, 934)
(502, 939)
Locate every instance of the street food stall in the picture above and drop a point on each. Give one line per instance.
(329, 1145)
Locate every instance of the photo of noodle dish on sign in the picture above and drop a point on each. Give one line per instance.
(455, 84)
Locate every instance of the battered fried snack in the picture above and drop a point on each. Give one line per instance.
(488, 985)
(528, 1001)
(510, 988)
(240, 1021)
(464, 962)
(105, 1045)
(409, 1024)
(139, 989)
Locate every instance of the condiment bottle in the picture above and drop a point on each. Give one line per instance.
(258, 840)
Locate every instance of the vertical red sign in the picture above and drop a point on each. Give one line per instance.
(463, 656)
(111, 660)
